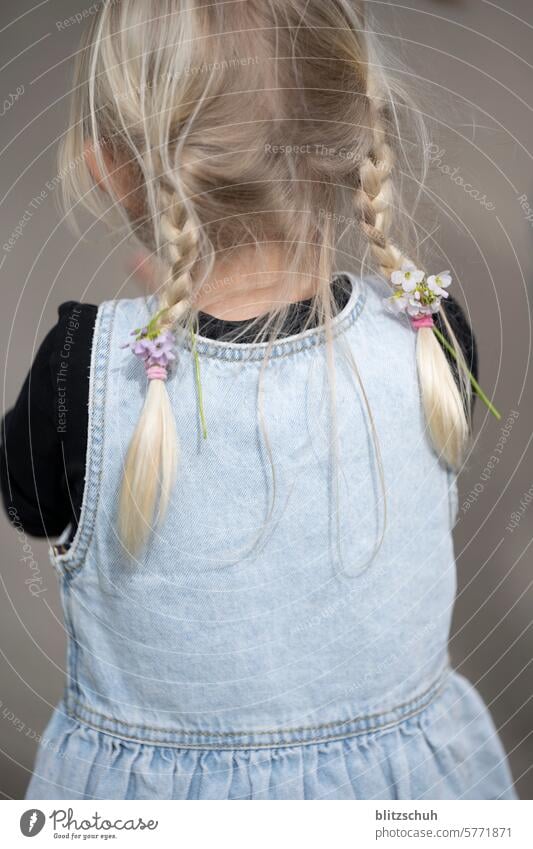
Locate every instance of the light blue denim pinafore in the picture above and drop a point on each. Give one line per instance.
(284, 635)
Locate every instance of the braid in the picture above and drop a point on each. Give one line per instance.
(374, 197)
(446, 405)
(181, 247)
(152, 458)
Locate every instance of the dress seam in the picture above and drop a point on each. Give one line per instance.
(68, 560)
(254, 352)
(419, 702)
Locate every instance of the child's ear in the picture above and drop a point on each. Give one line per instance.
(93, 166)
(118, 175)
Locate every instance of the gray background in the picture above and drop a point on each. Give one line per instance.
(472, 57)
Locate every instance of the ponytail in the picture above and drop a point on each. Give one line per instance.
(150, 468)
(444, 406)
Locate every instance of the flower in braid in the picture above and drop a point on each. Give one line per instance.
(445, 404)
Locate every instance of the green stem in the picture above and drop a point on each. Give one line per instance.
(198, 378)
(477, 388)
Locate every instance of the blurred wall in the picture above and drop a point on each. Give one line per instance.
(471, 59)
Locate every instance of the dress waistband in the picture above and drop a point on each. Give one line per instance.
(259, 738)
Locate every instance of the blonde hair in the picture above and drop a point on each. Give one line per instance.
(248, 122)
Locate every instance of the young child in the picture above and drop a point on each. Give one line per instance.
(252, 469)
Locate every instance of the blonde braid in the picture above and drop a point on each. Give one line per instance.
(181, 247)
(374, 198)
(446, 406)
(152, 459)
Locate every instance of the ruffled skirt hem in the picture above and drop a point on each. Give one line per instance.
(450, 750)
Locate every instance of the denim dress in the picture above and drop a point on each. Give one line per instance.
(284, 635)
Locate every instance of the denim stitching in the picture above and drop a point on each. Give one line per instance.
(437, 683)
(271, 730)
(255, 351)
(72, 643)
(419, 706)
(71, 561)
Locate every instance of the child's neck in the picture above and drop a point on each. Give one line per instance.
(248, 284)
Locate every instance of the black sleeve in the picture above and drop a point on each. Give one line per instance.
(464, 335)
(44, 436)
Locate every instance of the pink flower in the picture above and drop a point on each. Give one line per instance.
(159, 351)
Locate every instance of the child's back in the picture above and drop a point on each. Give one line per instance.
(267, 617)
(259, 591)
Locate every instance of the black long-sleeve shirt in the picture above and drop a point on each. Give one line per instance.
(44, 436)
